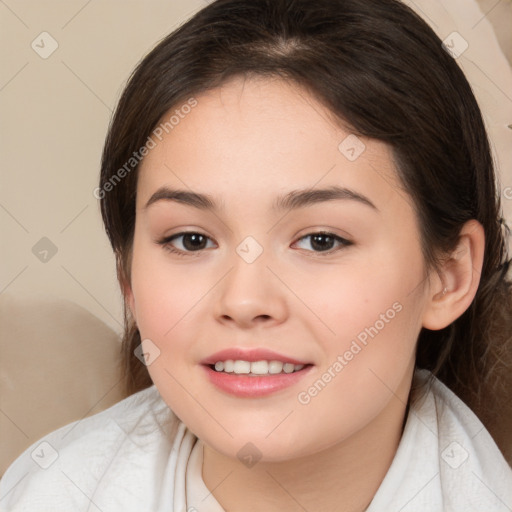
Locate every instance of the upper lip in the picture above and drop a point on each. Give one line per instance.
(249, 354)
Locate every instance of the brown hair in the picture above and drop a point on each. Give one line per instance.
(382, 71)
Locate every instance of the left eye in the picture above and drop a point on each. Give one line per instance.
(323, 241)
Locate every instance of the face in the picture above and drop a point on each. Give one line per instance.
(332, 284)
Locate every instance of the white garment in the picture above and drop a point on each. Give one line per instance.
(138, 456)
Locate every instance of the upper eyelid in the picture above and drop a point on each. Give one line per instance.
(320, 232)
(170, 238)
(340, 239)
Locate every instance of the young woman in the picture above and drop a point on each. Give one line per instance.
(301, 200)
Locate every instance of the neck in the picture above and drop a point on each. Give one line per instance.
(344, 477)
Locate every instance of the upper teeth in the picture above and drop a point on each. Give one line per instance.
(256, 367)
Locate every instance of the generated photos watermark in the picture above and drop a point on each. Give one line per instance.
(342, 360)
(137, 156)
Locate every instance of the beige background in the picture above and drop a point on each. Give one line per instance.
(54, 115)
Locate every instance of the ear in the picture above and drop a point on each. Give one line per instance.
(454, 287)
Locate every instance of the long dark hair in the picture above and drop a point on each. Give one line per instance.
(382, 71)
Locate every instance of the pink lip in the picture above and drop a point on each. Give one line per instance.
(251, 355)
(250, 386)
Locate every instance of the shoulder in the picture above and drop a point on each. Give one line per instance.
(446, 460)
(472, 469)
(66, 468)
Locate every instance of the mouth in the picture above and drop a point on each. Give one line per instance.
(255, 368)
(253, 373)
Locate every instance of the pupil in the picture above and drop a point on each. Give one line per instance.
(196, 240)
(317, 242)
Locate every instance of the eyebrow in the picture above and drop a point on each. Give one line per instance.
(290, 201)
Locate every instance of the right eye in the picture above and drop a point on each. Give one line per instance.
(192, 242)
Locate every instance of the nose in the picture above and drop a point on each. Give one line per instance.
(250, 295)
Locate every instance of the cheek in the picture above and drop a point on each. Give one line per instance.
(165, 294)
(370, 316)
(366, 294)
(368, 362)
(167, 301)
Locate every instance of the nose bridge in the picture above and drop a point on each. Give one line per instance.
(249, 290)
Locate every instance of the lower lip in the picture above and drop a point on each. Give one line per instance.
(254, 386)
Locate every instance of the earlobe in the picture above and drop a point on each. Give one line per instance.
(457, 281)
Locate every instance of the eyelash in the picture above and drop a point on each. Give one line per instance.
(166, 243)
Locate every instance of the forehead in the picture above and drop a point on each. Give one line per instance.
(260, 136)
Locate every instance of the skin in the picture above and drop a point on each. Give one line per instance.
(244, 144)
